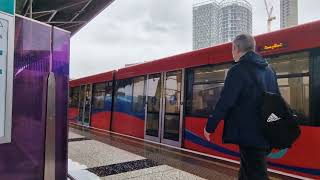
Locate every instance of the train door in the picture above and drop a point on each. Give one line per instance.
(85, 104)
(164, 107)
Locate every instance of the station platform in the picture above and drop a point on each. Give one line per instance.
(105, 155)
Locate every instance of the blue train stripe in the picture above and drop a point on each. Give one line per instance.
(198, 140)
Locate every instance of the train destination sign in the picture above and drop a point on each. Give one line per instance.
(273, 47)
(6, 68)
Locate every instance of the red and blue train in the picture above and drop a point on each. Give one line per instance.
(168, 100)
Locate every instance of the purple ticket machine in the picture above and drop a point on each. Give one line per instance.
(33, 144)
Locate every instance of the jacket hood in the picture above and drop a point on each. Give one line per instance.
(254, 58)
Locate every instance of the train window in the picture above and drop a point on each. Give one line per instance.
(74, 97)
(297, 63)
(138, 94)
(99, 87)
(154, 92)
(124, 88)
(205, 84)
(109, 90)
(173, 92)
(123, 97)
(293, 79)
(210, 74)
(99, 92)
(205, 98)
(204, 88)
(296, 93)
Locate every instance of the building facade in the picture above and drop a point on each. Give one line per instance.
(215, 22)
(205, 17)
(288, 13)
(235, 17)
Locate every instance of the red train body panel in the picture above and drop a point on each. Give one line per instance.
(302, 160)
(102, 77)
(101, 120)
(128, 125)
(73, 114)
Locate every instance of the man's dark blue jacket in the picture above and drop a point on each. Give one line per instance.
(238, 104)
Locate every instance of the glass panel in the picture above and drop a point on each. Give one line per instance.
(125, 88)
(209, 74)
(98, 100)
(173, 92)
(99, 87)
(205, 98)
(291, 64)
(32, 59)
(138, 94)
(172, 105)
(74, 97)
(295, 90)
(154, 95)
(204, 91)
(172, 127)
(82, 97)
(98, 96)
(123, 101)
(86, 119)
(152, 124)
(108, 99)
(296, 93)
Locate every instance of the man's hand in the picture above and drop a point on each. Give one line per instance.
(206, 134)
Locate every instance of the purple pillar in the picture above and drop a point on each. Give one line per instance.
(23, 158)
(60, 67)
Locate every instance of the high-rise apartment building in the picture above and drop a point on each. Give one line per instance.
(288, 13)
(235, 17)
(205, 16)
(215, 23)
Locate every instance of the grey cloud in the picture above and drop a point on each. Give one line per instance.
(131, 31)
(151, 26)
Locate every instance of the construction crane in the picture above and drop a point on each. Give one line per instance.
(270, 17)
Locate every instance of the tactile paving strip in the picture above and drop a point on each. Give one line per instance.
(123, 167)
(78, 139)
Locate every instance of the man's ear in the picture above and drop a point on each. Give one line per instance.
(238, 51)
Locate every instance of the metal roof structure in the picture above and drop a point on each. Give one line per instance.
(70, 15)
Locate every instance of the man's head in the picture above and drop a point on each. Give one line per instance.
(242, 44)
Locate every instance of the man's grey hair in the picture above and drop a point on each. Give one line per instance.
(244, 43)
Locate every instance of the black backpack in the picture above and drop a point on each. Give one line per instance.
(279, 125)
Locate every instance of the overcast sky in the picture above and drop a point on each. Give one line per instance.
(131, 31)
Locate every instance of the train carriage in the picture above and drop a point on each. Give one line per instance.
(90, 101)
(168, 100)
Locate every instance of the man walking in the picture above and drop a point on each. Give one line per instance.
(239, 107)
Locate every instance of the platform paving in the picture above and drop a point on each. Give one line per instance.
(110, 156)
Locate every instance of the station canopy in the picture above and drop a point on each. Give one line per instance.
(70, 15)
